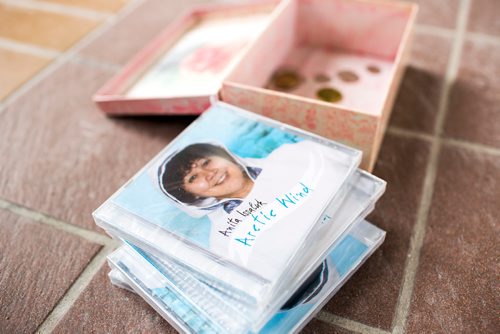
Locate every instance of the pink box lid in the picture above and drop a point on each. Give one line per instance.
(179, 70)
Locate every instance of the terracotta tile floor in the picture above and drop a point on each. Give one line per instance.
(437, 271)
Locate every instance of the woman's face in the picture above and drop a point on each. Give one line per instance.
(217, 177)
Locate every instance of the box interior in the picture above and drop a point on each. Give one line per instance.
(194, 58)
(339, 51)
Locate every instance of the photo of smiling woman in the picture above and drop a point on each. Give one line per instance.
(204, 177)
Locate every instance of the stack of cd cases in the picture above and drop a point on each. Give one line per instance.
(242, 224)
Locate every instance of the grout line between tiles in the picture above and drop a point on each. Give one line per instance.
(55, 223)
(453, 64)
(84, 60)
(28, 48)
(401, 132)
(58, 9)
(433, 30)
(482, 38)
(463, 144)
(69, 298)
(71, 52)
(35, 50)
(418, 234)
(348, 324)
(475, 147)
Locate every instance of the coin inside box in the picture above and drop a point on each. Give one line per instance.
(351, 80)
(184, 66)
(332, 67)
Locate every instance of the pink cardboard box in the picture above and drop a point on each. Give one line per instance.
(185, 64)
(338, 64)
(332, 67)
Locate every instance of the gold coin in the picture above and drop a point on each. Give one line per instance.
(348, 76)
(322, 77)
(373, 69)
(286, 80)
(329, 94)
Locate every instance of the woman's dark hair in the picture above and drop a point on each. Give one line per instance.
(171, 174)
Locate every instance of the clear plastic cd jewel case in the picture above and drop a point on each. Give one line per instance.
(228, 311)
(365, 189)
(132, 271)
(233, 198)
